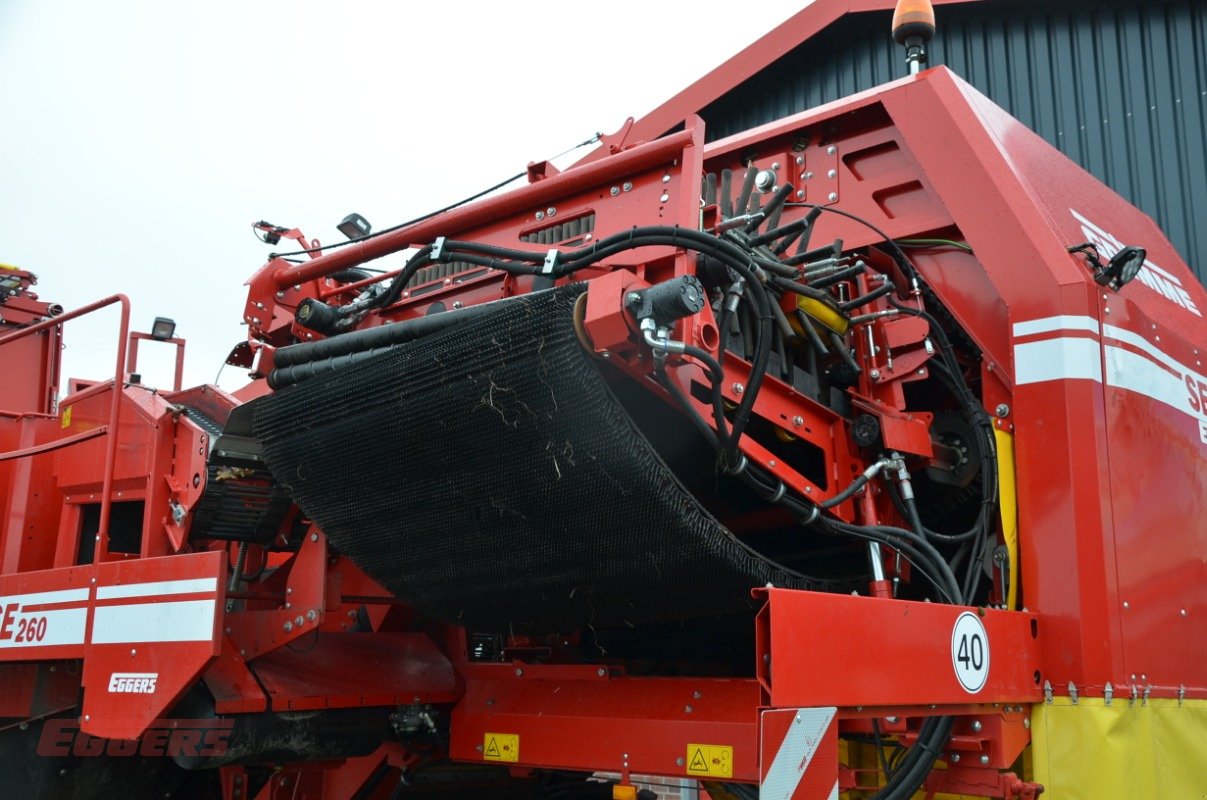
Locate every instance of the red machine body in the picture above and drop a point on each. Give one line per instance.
(1099, 395)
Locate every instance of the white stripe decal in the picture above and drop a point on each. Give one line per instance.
(1140, 343)
(791, 761)
(834, 791)
(1152, 372)
(1057, 359)
(189, 586)
(46, 598)
(1135, 373)
(1048, 324)
(180, 621)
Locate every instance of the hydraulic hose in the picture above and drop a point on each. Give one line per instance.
(380, 336)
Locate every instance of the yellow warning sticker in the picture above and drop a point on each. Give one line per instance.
(501, 747)
(67, 416)
(711, 760)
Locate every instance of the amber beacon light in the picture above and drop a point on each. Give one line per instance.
(914, 27)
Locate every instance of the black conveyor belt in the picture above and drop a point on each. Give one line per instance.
(487, 474)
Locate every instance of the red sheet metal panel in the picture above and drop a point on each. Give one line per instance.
(643, 725)
(144, 628)
(833, 650)
(351, 669)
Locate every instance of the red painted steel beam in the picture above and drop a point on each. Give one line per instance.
(639, 725)
(459, 219)
(818, 649)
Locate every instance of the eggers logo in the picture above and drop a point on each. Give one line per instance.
(185, 738)
(133, 682)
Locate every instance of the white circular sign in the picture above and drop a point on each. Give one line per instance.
(970, 652)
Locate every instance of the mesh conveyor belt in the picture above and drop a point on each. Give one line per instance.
(488, 475)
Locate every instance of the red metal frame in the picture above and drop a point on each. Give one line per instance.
(115, 403)
(922, 156)
(132, 362)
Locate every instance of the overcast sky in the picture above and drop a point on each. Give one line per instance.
(139, 140)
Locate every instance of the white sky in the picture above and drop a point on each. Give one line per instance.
(139, 140)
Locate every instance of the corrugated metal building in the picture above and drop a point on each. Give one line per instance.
(1120, 87)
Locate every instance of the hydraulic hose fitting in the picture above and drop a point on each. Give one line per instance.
(740, 221)
(317, 316)
(903, 479)
(658, 338)
(733, 295)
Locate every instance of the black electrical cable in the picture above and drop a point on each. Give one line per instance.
(771, 212)
(863, 300)
(701, 426)
(888, 773)
(845, 352)
(419, 260)
(730, 254)
(839, 276)
(908, 508)
(781, 320)
(492, 250)
(811, 332)
(902, 260)
(913, 547)
(919, 760)
(949, 373)
(793, 227)
(429, 215)
(860, 481)
(779, 347)
(402, 225)
(801, 289)
(746, 328)
(747, 189)
(717, 375)
(948, 370)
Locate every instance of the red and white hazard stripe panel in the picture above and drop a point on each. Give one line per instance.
(798, 759)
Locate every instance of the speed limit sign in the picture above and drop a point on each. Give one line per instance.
(970, 652)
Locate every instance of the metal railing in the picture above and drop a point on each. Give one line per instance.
(110, 430)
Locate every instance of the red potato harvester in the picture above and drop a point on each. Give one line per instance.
(854, 455)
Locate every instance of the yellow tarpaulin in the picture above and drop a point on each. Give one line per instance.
(1092, 751)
